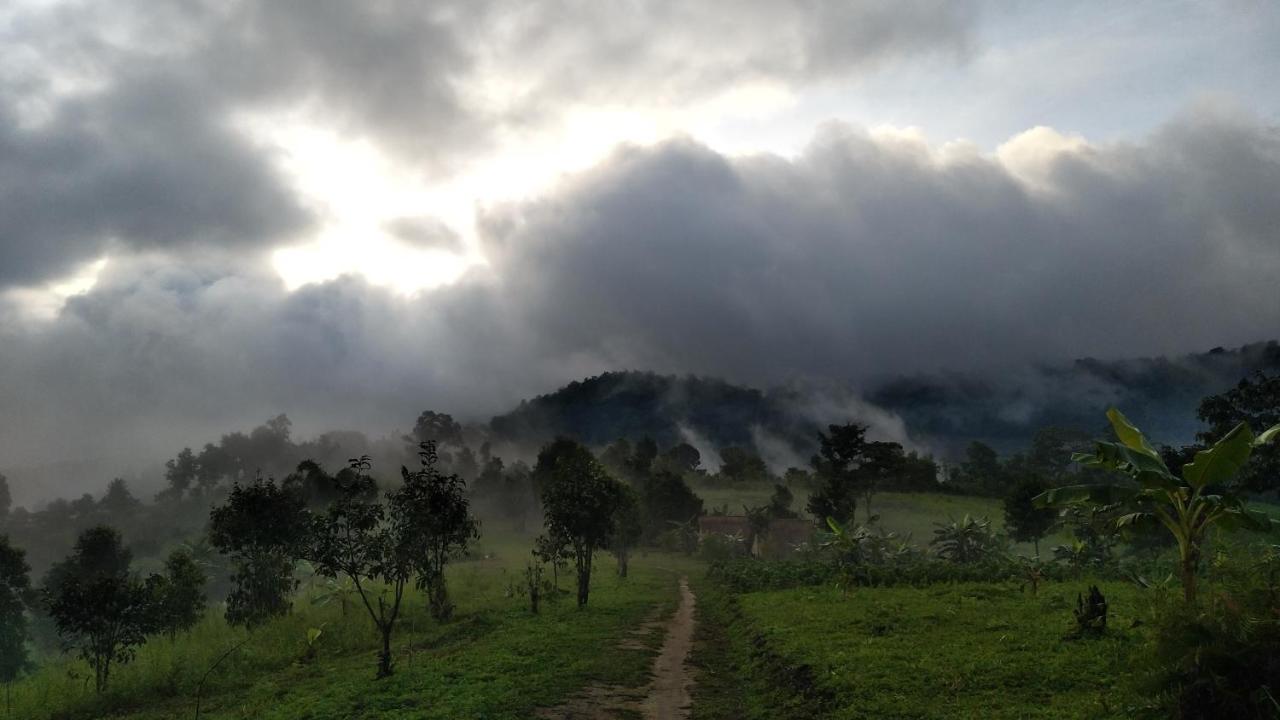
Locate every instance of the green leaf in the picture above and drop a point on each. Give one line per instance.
(1221, 462)
(1131, 436)
(1267, 436)
(1241, 519)
(1150, 471)
(1077, 494)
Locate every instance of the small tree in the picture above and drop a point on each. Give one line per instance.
(579, 501)
(354, 538)
(1025, 521)
(15, 586)
(436, 515)
(98, 607)
(177, 596)
(968, 540)
(628, 528)
(1205, 495)
(264, 529)
(665, 498)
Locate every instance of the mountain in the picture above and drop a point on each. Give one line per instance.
(940, 413)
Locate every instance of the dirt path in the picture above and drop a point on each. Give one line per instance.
(666, 697)
(672, 679)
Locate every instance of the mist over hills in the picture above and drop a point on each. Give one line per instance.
(938, 413)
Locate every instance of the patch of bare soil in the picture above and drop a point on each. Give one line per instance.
(667, 696)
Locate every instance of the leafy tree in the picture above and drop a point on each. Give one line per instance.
(436, 515)
(642, 458)
(840, 453)
(177, 596)
(616, 458)
(15, 588)
(981, 472)
(881, 461)
(740, 465)
(264, 528)
(579, 501)
(436, 427)
(1025, 521)
(681, 458)
(1207, 494)
(179, 472)
(666, 498)
(118, 501)
(98, 607)
(1051, 451)
(628, 527)
(1254, 401)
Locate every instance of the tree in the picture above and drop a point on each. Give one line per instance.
(880, 461)
(436, 427)
(179, 473)
(434, 511)
(15, 587)
(628, 527)
(99, 608)
(741, 465)
(780, 503)
(665, 498)
(118, 501)
(6, 499)
(840, 453)
(1025, 521)
(965, 541)
(1207, 494)
(264, 529)
(1254, 401)
(680, 458)
(355, 538)
(177, 596)
(579, 501)
(981, 472)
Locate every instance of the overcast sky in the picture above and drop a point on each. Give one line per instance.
(213, 212)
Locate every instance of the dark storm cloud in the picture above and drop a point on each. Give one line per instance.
(122, 125)
(869, 255)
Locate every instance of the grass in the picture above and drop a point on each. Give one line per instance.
(967, 650)
(494, 660)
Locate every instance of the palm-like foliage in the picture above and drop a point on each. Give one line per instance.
(967, 540)
(1188, 506)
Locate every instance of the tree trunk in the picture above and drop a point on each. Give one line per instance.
(584, 578)
(622, 563)
(1189, 564)
(384, 658)
(1036, 541)
(867, 500)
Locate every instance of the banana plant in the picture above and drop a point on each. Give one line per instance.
(1188, 506)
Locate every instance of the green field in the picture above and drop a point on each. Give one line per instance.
(494, 660)
(947, 651)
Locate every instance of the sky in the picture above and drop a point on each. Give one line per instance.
(215, 212)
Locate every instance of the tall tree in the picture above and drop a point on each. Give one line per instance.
(15, 588)
(579, 501)
(841, 451)
(99, 608)
(1025, 521)
(665, 498)
(264, 528)
(628, 528)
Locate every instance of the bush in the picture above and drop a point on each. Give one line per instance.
(1219, 657)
